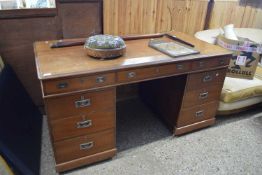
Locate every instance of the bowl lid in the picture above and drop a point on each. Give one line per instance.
(104, 42)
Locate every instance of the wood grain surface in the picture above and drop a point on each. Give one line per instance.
(189, 116)
(242, 13)
(189, 16)
(151, 16)
(70, 149)
(72, 94)
(78, 83)
(195, 126)
(205, 79)
(73, 61)
(68, 127)
(61, 167)
(201, 96)
(62, 107)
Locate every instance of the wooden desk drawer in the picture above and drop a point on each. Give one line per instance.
(83, 124)
(174, 68)
(199, 80)
(80, 83)
(200, 96)
(197, 114)
(210, 62)
(136, 74)
(84, 103)
(71, 149)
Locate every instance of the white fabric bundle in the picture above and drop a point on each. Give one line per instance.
(229, 32)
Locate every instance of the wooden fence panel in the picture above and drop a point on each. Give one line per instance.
(253, 14)
(122, 17)
(242, 13)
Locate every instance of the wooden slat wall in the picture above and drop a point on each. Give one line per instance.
(242, 13)
(253, 14)
(122, 17)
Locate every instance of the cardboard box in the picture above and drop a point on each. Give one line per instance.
(246, 55)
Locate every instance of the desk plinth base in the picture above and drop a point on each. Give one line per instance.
(194, 126)
(85, 160)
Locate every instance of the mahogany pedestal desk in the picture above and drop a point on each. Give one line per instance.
(80, 93)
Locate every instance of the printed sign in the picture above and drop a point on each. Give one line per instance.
(245, 56)
(241, 60)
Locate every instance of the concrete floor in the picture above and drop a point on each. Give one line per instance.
(146, 147)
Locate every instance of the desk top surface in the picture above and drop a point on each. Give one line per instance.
(73, 61)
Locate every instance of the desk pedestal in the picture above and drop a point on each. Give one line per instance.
(187, 102)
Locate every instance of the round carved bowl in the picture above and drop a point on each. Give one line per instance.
(105, 53)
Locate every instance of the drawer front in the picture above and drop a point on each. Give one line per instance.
(84, 103)
(83, 124)
(174, 68)
(71, 149)
(201, 96)
(136, 74)
(210, 62)
(80, 83)
(199, 80)
(197, 114)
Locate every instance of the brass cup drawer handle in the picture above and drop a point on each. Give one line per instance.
(84, 124)
(100, 79)
(86, 146)
(131, 74)
(201, 64)
(62, 85)
(180, 66)
(199, 113)
(82, 103)
(221, 61)
(207, 78)
(203, 95)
